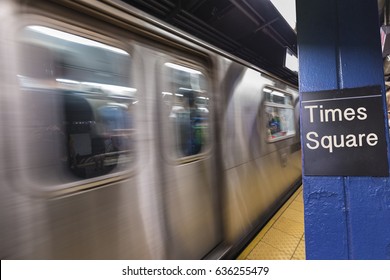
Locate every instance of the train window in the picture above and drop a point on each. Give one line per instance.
(187, 105)
(79, 105)
(279, 114)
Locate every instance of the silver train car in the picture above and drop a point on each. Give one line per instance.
(124, 138)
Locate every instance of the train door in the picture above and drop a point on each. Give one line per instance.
(77, 145)
(281, 133)
(187, 160)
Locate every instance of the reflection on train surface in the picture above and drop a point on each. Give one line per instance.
(120, 140)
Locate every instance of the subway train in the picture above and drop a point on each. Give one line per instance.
(125, 138)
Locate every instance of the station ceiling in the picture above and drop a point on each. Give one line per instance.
(252, 30)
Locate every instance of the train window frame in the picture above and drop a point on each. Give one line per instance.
(170, 153)
(269, 103)
(59, 188)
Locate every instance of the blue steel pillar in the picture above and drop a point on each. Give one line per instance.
(339, 47)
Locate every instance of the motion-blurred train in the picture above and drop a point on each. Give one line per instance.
(124, 138)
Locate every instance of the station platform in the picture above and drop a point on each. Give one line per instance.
(282, 238)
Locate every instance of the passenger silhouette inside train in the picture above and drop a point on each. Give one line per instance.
(97, 134)
(98, 124)
(190, 121)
